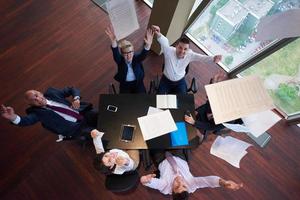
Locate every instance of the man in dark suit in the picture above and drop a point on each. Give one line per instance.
(130, 72)
(55, 112)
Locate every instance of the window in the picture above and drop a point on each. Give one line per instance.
(281, 74)
(228, 27)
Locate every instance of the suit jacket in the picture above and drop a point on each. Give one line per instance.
(51, 120)
(137, 66)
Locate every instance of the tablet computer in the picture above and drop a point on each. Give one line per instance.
(127, 132)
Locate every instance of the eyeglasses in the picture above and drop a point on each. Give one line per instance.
(126, 53)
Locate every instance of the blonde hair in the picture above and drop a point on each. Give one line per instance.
(125, 45)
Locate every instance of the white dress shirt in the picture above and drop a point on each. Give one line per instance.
(130, 76)
(175, 67)
(165, 183)
(100, 149)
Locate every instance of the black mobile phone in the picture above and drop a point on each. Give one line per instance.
(127, 133)
(112, 108)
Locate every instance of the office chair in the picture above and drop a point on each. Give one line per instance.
(122, 183)
(193, 87)
(112, 89)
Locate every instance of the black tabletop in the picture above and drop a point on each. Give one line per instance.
(132, 106)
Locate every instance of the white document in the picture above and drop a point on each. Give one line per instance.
(236, 98)
(123, 17)
(237, 127)
(279, 26)
(166, 101)
(153, 110)
(258, 123)
(229, 149)
(157, 124)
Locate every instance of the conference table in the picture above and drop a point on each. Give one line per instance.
(132, 106)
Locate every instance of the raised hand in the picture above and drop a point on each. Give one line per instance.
(147, 178)
(148, 37)
(231, 185)
(217, 58)
(156, 30)
(189, 119)
(110, 33)
(120, 161)
(76, 104)
(8, 113)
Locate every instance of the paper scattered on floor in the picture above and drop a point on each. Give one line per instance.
(237, 127)
(258, 123)
(123, 17)
(230, 149)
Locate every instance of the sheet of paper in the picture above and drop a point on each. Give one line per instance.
(166, 101)
(236, 98)
(258, 123)
(279, 26)
(123, 17)
(237, 127)
(229, 149)
(157, 124)
(153, 110)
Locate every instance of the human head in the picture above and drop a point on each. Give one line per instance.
(35, 98)
(179, 189)
(221, 76)
(182, 47)
(127, 50)
(103, 168)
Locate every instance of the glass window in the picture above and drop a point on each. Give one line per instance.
(149, 3)
(228, 27)
(281, 74)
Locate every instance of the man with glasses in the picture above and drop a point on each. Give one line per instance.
(130, 72)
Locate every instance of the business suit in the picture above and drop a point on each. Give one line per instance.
(136, 86)
(53, 121)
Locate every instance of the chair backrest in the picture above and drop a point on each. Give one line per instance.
(112, 89)
(194, 86)
(122, 183)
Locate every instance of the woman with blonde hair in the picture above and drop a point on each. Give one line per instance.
(130, 73)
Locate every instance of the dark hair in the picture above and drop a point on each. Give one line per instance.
(184, 40)
(180, 196)
(99, 165)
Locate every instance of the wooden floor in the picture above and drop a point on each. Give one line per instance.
(62, 43)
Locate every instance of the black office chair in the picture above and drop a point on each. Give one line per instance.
(193, 87)
(112, 89)
(122, 183)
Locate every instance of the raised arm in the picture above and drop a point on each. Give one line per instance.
(9, 113)
(111, 35)
(97, 140)
(215, 181)
(148, 38)
(163, 41)
(152, 182)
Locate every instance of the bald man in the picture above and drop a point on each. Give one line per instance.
(55, 112)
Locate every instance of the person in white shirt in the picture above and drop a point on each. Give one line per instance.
(176, 60)
(176, 179)
(114, 161)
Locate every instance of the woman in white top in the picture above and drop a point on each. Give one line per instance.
(114, 161)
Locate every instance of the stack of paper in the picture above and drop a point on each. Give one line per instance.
(166, 101)
(229, 149)
(157, 124)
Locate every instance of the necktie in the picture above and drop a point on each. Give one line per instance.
(172, 162)
(66, 111)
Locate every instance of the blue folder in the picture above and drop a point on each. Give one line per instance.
(179, 137)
